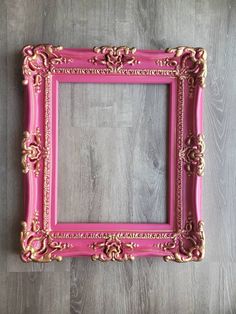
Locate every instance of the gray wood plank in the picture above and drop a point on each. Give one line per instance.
(219, 196)
(3, 292)
(22, 28)
(3, 136)
(38, 293)
(151, 286)
(109, 285)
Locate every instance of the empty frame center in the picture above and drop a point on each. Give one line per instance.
(112, 144)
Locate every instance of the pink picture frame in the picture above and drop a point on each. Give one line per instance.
(182, 238)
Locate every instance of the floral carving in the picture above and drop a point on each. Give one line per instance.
(193, 154)
(193, 65)
(37, 244)
(114, 57)
(38, 61)
(32, 151)
(113, 249)
(187, 244)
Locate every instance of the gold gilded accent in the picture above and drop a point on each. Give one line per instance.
(32, 151)
(187, 244)
(106, 71)
(114, 57)
(113, 249)
(120, 235)
(166, 62)
(193, 64)
(47, 139)
(180, 141)
(37, 244)
(193, 154)
(38, 61)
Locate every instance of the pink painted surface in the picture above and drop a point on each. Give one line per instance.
(182, 238)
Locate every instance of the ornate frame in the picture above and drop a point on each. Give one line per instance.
(182, 238)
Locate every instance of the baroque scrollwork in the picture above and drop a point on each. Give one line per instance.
(32, 152)
(113, 249)
(37, 244)
(193, 154)
(38, 61)
(188, 244)
(166, 62)
(193, 65)
(114, 57)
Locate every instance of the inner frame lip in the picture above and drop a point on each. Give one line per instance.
(94, 227)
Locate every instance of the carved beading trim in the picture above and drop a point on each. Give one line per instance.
(193, 155)
(47, 163)
(114, 57)
(37, 244)
(120, 235)
(38, 61)
(180, 130)
(188, 244)
(32, 152)
(113, 249)
(106, 71)
(193, 65)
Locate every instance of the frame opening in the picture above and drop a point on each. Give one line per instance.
(114, 155)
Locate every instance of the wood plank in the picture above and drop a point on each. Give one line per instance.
(3, 137)
(23, 28)
(38, 293)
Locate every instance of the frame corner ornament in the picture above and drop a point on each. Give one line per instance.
(114, 57)
(37, 244)
(38, 61)
(193, 65)
(193, 154)
(188, 244)
(113, 249)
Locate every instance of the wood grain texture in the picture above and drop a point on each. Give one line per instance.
(147, 286)
(38, 293)
(3, 136)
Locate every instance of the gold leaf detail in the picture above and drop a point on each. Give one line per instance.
(38, 61)
(193, 154)
(32, 151)
(113, 249)
(114, 57)
(166, 62)
(187, 244)
(193, 64)
(37, 244)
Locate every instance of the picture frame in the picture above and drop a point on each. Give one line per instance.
(182, 238)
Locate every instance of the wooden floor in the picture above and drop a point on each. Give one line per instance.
(146, 286)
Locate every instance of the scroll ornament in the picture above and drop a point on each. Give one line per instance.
(38, 62)
(37, 244)
(114, 57)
